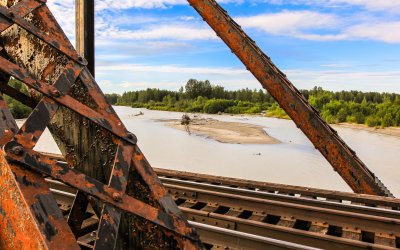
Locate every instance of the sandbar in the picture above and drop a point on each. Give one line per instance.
(226, 132)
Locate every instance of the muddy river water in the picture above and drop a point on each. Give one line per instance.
(294, 161)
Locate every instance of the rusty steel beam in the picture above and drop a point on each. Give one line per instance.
(321, 134)
(85, 30)
(236, 215)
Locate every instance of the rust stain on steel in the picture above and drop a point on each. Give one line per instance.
(324, 138)
(55, 40)
(51, 167)
(23, 215)
(105, 119)
(17, 227)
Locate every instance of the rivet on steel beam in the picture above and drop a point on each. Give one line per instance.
(11, 14)
(17, 150)
(82, 61)
(116, 197)
(56, 93)
(132, 137)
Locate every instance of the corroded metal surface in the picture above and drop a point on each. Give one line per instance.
(324, 137)
(130, 207)
(226, 212)
(101, 154)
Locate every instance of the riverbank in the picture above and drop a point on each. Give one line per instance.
(226, 132)
(392, 131)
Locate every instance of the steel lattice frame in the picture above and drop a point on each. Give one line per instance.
(134, 208)
(29, 215)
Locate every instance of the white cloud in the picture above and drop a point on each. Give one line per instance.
(171, 69)
(316, 26)
(385, 32)
(336, 65)
(231, 78)
(385, 81)
(300, 24)
(128, 4)
(64, 12)
(391, 6)
(146, 4)
(289, 22)
(174, 31)
(307, 25)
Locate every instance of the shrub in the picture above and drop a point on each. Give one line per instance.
(373, 121)
(359, 117)
(387, 121)
(218, 105)
(341, 115)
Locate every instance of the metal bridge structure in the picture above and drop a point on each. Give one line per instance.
(102, 193)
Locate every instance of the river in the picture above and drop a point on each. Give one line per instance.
(295, 161)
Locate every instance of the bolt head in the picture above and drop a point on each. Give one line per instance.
(116, 197)
(132, 137)
(56, 93)
(17, 150)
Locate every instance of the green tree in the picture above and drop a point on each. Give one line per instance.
(195, 88)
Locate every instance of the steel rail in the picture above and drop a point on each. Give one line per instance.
(366, 199)
(342, 158)
(296, 236)
(173, 184)
(240, 240)
(338, 196)
(210, 234)
(388, 213)
(308, 213)
(223, 237)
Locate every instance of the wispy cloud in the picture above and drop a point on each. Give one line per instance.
(121, 35)
(391, 6)
(294, 23)
(380, 81)
(336, 65)
(289, 21)
(146, 4)
(317, 26)
(385, 32)
(64, 12)
(171, 69)
(233, 78)
(307, 25)
(174, 32)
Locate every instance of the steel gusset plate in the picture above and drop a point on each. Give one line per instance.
(61, 89)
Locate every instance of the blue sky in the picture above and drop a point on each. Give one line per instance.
(335, 44)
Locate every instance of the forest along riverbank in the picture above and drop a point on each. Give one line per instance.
(226, 132)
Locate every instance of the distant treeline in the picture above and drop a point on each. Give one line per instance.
(372, 108)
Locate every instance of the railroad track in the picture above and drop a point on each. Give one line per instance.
(233, 213)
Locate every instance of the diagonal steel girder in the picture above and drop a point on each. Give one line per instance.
(342, 158)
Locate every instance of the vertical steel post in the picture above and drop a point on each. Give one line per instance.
(84, 30)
